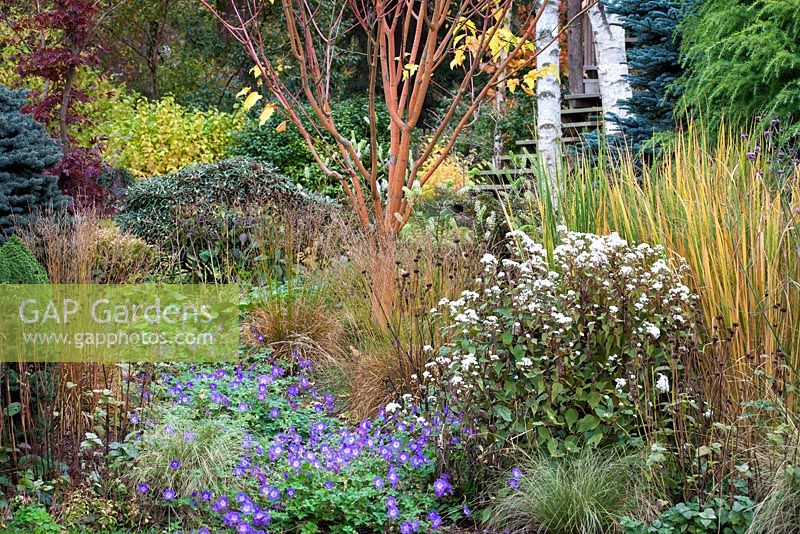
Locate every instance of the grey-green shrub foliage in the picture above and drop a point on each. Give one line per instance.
(211, 218)
(154, 206)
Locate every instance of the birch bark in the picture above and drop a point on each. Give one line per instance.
(612, 64)
(548, 92)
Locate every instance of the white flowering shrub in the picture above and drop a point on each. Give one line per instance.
(568, 351)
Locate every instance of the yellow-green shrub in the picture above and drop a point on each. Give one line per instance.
(8, 62)
(453, 172)
(158, 137)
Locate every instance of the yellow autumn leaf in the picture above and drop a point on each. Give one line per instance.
(532, 75)
(256, 72)
(466, 25)
(409, 69)
(512, 84)
(281, 127)
(530, 78)
(266, 113)
(243, 92)
(502, 41)
(251, 100)
(499, 14)
(458, 58)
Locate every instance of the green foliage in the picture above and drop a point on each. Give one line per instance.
(516, 122)
(25, 151)
(207, 449)
(480, 211)
(255, 405)
(154, 207)
(156, 137)
(18, 265)
(718, 515)
(570, 350)
(742, 59)
(33, 519)
(780, 510)
(587, 493)
(173, 47)
(211, 216)
(5, 272)
(289, 152)
(86, 511)
(352, 504)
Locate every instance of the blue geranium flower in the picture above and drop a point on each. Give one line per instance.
(442, 486)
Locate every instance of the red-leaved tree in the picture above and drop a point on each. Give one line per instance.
(59, 41)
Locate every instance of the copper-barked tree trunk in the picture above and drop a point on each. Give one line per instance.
(407, 43)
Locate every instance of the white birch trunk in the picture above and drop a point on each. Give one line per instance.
(548, 94)
(612, 64)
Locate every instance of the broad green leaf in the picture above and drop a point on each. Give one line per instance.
(588, 423)
(503, 412)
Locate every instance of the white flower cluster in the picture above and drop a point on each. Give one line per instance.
(599, 299)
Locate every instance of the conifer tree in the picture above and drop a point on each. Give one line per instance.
(26, 150)
(18, 265)
(653, 63)
(742, 60)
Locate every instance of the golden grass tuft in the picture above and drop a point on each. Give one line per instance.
(383, 355)
(85, 248)
(297, 323)
(732, 218)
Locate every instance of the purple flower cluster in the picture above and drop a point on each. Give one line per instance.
(516, 475)
(398, 449)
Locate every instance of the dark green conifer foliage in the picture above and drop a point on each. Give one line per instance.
(742, 59)
(653, 62)
(18, 265)
(5, 274)
(25, 151)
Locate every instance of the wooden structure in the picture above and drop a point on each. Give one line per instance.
(582, 107)
(581, 56)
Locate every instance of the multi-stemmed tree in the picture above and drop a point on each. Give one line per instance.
(408, 46)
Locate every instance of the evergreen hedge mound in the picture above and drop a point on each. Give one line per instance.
(155, 208)
(18, 265)
(5, 273)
